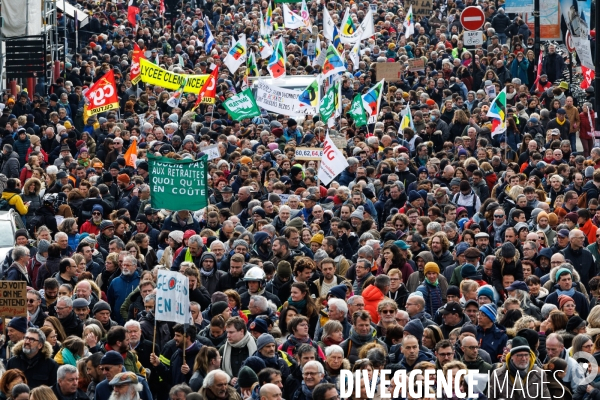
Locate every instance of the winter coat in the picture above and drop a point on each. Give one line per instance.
(582, 305)
(118, 291)
(492, 340)
(11, 165)
(372, 296)
(171, 373)
(527, 389)
(72, 324)
(583, 262)
(40, 370)
(519, 70)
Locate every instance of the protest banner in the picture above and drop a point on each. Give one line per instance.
(242, 106)
(388, 71)
(155, 75)
(13, 299)
(416, 64)
(333, 161)
(308, 153)
(172, 297)
(421, 8)
(178, 184)
(280, 100)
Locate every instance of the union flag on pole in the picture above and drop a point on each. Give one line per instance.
(102, 96)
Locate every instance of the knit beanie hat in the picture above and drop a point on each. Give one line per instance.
(218, 307)
(43, 246)
(247, 377)
(339, 291)
(415, 328)
(486, 291)
(413, 195)
(508, 250)
(490, 311)
(542, 214)
(519, 345)
(258, 325)
(560, 271)
(264, 340)
(563, 299)
(101, 306)
(124, 178)
(19, 324)
(107, 223)
(284, 269)
(318, 238)
(21, 232)
(358, 213)
(431, 267)
(297, 223)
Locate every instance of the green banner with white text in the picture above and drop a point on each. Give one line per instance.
(178, 184)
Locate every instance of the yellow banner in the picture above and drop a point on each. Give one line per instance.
(98, 110)
(157, 76)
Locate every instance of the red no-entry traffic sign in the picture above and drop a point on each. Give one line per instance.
(472, 18)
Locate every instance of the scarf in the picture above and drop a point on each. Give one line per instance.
(300, 305)
(560, 123)
(40, 258)
(68, 357)
(330, 342)
(570, 292)
(270, 362)
(247, 341)
(514, 371)
(361, 340)
(308, 392)
(207, 273)
(436, 283)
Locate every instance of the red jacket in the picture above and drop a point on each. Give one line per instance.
(590, 231)
(372, 296)
(585, 129)
(89, 227)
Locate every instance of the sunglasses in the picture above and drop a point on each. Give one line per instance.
(498, 216)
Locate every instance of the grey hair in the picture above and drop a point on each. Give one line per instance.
(132, 322)
(118, 242)
(67, 300)
(334, 348)
(366, 251)
(131, 259)
(209, 379)
(366, 262)
(547, 309)
(60, 235)
(216, 242)
(366, 236)
(40, 333)
(434, 227)
(196, 239)
(579, 341)
(314, 363)
(352, 299)
(150, 297)
(270, 229)
(339, 304)
(260, 302)
(19, 252)
(65, 369)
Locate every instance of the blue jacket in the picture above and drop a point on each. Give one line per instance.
(152, 235)
(104, 390)
(432, 296)
(119, 289)
(492, 340)
(519, 70)
(170, 225)
(73, 240)
(345, 178)
(582, 306)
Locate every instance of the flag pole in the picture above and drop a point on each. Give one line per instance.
(154, 338)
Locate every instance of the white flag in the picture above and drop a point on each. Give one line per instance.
(236, 55)
(409, 23)
(328, 25)
(172, 297)
(333, 161)
(291, 20)
(354, 55)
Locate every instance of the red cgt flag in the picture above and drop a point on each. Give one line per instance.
(102, 96)
(208, 92)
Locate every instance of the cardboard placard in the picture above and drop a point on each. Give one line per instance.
(416, 64)
(421, 8)
(13, 299)
(391, 72)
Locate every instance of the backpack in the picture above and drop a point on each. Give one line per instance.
(4, 203)
(33, 223)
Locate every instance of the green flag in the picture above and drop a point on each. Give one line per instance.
(178, 184)
(328, 103)
(242, 106)
(357, 111)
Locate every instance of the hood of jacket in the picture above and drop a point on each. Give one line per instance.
(372, 293)
(426, 256)
(207, 255)
(46, 351)
(36, 182)
(552, 275)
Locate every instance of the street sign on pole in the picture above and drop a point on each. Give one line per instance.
(472, 38)
(472, 18)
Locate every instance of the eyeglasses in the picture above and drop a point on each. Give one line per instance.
(30, 301)
(59, 308)
(387, 311)
(105, 368)
(310, 373)
(96, 213)
(471, 347)
(30, 339)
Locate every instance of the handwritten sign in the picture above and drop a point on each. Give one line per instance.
(13, 298)
(172, 297)
(308, 153)
(211, 151)
(391, 72)
(416, 64)
(421, 8)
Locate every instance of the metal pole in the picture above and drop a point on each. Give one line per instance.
(66, 40)
(536, 28)
(596, 64)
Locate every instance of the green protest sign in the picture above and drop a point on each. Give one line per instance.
(242, 106)
(178, 184)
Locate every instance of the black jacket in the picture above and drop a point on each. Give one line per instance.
(72, 325)
(39, 370)
(79, 395)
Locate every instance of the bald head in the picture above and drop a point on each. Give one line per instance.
(269, 391)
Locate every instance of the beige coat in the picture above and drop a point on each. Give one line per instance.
(505, 387)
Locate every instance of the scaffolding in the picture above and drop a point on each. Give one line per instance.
(53, 49)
